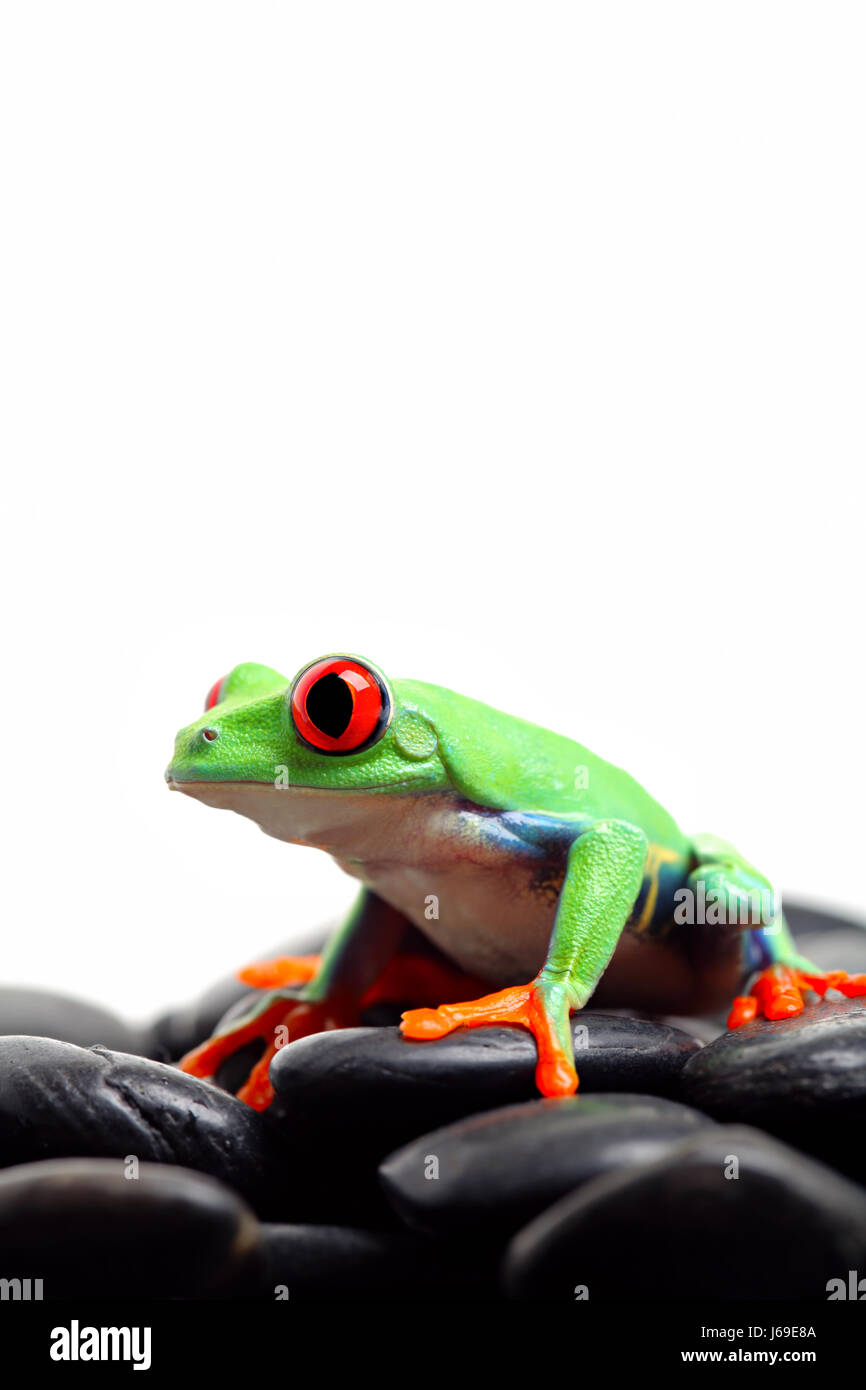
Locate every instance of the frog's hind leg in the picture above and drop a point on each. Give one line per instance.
(743, 898)
(309, 996)
(780, 977)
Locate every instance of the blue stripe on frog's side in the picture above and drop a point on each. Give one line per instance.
(756, 951)
(546, 840)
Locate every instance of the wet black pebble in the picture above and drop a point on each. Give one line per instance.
(43, 1014)
(803, 1079)
(375, 1089)
(493, 1172)
(61, 1101)
(685, 1228)
(804, 921)
(844, 949)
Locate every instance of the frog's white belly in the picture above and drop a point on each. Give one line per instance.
(495, 903)
(485, 918)
(485, 904)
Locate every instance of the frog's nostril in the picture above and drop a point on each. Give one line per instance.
(210, 734)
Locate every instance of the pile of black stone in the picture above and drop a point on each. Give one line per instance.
(694, 1163)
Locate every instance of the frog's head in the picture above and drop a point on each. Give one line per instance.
(339, 726)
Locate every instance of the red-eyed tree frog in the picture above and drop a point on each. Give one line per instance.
(540, 872)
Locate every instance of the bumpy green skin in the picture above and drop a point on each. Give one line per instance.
(438, 741)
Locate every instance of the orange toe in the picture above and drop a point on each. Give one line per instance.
(743, 1010)
(556, 1076)
(852, 986)
(282, 971)
(784, 1004)
(506, 1006)
(426, 1024)
(778, 991)
(257, 1090)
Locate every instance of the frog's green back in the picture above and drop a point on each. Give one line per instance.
(506, 763)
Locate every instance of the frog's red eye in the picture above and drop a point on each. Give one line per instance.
(215, 694)
(339, 705)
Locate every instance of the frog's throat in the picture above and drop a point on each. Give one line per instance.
(340, 822)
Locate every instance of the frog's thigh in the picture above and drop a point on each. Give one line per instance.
(696, 973)
(602, 882)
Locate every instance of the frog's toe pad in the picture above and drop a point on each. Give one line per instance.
(426, 1024)
(555, 1075)
(777, 993)
(850, 985)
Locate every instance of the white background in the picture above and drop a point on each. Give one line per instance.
(517, 346)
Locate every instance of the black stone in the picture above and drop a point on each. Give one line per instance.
(373, 1089)
(803, 1079)
(42, 1013)
(309, 1262)
(495, 1171)
(87, 1230)
(61, 1101)
(844, 949)
(703, 1027)
(804, 920)
(680, 1229)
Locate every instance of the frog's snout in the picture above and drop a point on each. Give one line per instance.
(190, 761)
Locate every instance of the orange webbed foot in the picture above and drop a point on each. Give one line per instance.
(777, 993)
(533, 1007)
(285, 1020)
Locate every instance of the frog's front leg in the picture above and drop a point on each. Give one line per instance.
(329, 996)
(602, 881)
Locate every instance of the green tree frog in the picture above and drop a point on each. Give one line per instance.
(540, 872)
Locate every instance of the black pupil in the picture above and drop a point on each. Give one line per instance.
(329, 705)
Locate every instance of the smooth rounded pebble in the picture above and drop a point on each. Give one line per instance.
(493, 1172)
(305, 1262)
(728, 1214)
(42, 1013)
(803, 1079)
(61, 1101)
(844, 949)
(112, 1228)
(376, 1089)
(804, 921)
